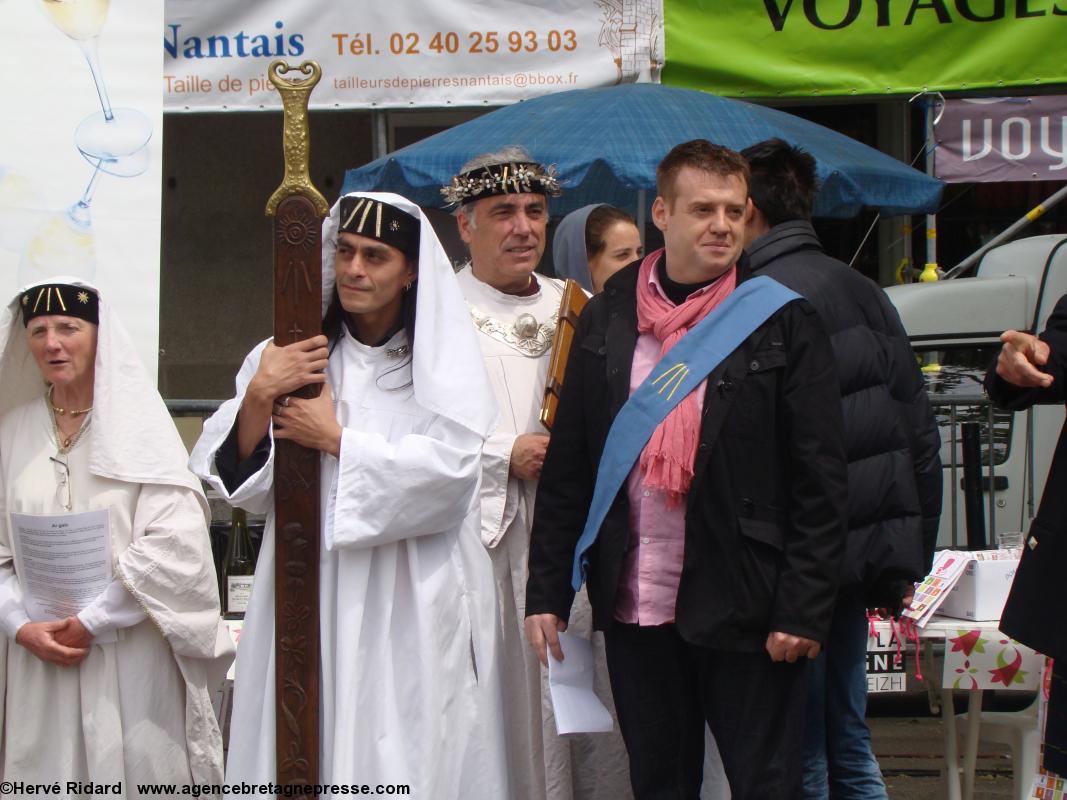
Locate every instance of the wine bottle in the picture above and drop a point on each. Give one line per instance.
(239, 567)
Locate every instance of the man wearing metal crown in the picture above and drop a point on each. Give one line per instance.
(696, 479)
(502, 215)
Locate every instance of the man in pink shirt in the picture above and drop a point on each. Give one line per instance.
(713, 575)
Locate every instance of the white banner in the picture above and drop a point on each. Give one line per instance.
(80, 163)
(406, 53)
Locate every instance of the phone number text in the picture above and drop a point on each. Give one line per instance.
(449, 42)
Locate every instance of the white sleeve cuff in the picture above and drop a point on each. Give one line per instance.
(14, 620)
(115, 608)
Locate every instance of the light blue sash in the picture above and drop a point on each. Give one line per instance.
(681, 370)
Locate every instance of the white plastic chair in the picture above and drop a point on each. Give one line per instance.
(1018, 730)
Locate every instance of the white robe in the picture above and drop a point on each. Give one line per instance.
(410, 690)
(135, 710)
(543, 764)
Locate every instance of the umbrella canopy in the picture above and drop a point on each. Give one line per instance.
(606, 144)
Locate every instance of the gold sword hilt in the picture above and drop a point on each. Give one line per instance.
(296, 138)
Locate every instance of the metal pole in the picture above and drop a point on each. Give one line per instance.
(380, 134)
(970, 433)
(1030, 216)
(992, 456)
(192, 408)
(931, 219)
(953, 421)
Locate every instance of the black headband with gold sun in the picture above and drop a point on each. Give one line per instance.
(381, 221)
(60, 298)
(514, 177)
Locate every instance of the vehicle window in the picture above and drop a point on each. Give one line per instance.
(953, 379)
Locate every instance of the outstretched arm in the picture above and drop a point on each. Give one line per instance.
(1021, 358)
(1031, 369)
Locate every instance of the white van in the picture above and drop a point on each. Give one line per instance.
(954, 327)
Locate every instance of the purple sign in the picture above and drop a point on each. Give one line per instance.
(1002, 139)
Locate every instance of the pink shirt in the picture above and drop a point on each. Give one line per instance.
(652, 568)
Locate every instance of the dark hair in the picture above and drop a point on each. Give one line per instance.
(783, 181)
(335, 314)
(596, 225)
(702, 155)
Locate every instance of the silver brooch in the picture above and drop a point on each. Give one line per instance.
(398, 352)
(526, 326)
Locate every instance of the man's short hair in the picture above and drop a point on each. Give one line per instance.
(509, 153)
(783, 181)
(702, 155)
(506, 154)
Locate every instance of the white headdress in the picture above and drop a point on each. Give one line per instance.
(132, 437)
(447, 369)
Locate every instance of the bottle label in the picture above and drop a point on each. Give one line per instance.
(238, 590)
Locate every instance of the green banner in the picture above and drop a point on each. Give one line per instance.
(812, 48)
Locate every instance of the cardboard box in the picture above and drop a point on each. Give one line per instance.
(982, 589)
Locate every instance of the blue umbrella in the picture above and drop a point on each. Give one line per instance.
(606, 144)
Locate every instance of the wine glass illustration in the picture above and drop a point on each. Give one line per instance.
(64, 243)
(106, 136)
(21, 208)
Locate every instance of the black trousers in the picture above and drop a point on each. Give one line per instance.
(666, 689)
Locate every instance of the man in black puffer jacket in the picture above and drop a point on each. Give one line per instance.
(894, 469)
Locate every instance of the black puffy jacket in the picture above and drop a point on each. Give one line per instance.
(891, 436)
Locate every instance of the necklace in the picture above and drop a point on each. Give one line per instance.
(65, 444)
(62, 411)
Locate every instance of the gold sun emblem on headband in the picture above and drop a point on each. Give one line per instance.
(394, 225)
(83, 297)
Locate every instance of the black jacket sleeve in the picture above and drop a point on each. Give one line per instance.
(818, 481)
(565, 489)
(232, 470)
(1013, 397)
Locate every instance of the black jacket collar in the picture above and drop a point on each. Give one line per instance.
(779, 241)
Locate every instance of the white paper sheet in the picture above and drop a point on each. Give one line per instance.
(63, 561)
(935, 587)
(576, 706)
(948, 568)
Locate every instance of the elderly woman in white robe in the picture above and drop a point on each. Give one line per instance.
(114, 690)
(410, 691)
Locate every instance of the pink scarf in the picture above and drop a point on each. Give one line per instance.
(667, 460)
